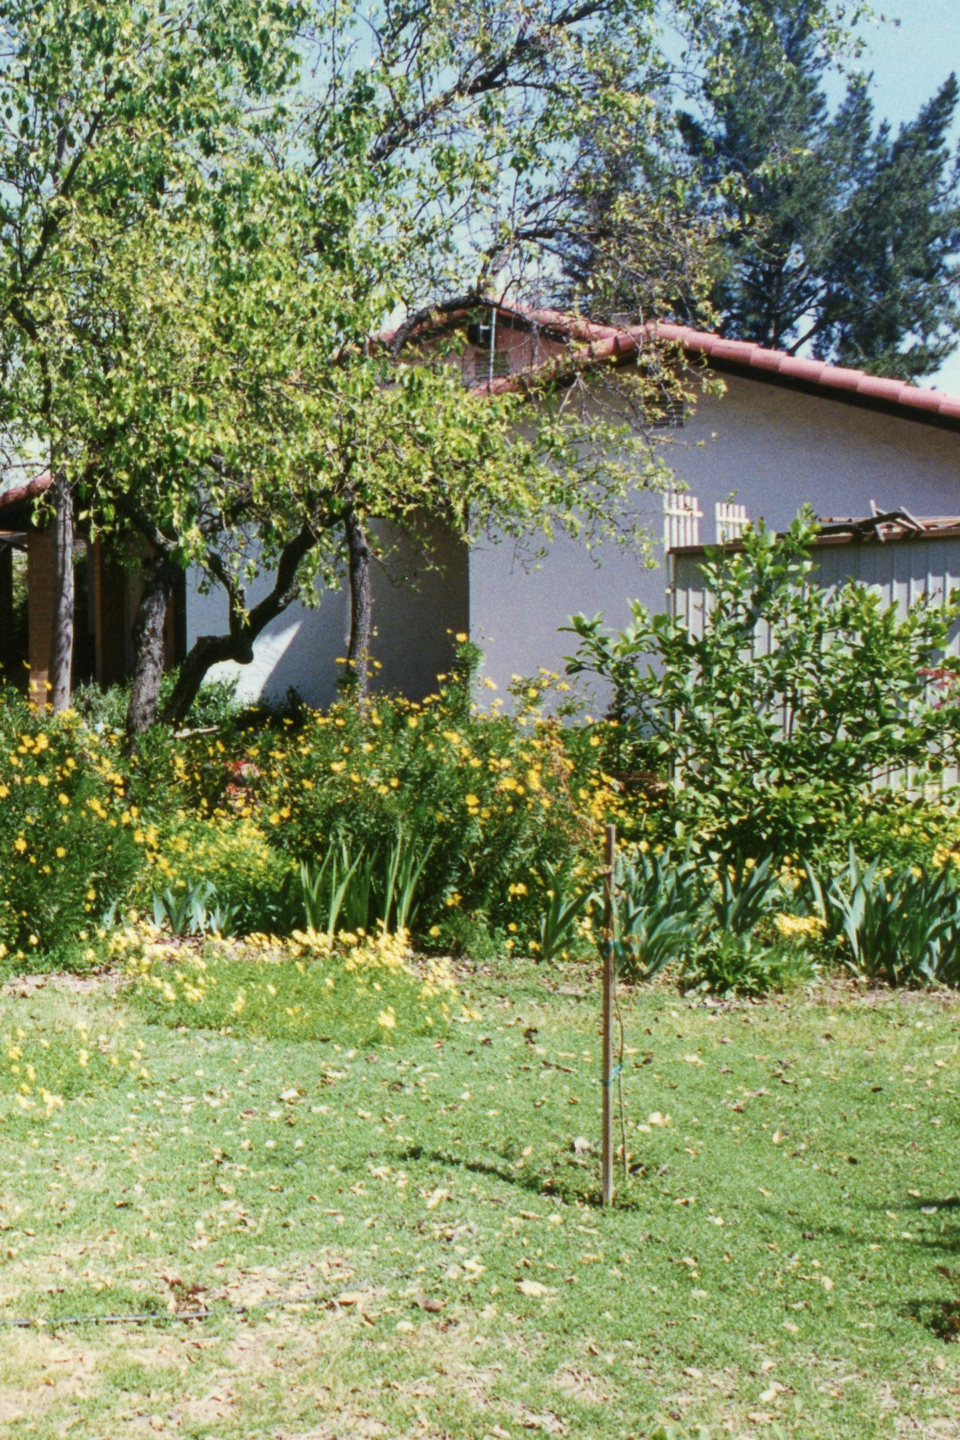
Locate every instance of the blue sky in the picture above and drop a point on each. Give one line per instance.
(909, 62)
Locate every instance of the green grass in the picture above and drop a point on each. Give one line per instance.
(269, 1178)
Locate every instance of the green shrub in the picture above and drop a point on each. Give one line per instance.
(728, 962)
(658, 912)
(774, 722)
(364, 890)
(194, 911)
(901, 928)
(723, 927)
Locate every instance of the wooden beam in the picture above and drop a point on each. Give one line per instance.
(6, 611)
(110, 585)
(41, 559)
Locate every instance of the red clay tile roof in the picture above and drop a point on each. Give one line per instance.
(607, 342)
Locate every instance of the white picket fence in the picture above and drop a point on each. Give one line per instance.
(681, 520)
(731, 521)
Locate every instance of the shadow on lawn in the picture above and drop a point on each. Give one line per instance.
(947, 1237)
(941, 1314)
(573, 1184)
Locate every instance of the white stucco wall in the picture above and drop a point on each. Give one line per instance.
(416, 606)
(774, 449)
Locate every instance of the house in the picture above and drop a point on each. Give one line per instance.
(788, 431)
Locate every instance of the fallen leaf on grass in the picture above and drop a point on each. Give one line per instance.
(533, 1288)
(551, 1423)
(431, 1303)
(436, 1198)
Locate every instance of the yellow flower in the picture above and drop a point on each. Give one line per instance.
(387, 1019)
(793, 925)
(64, 799)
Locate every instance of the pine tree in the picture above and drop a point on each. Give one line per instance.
(840, 238)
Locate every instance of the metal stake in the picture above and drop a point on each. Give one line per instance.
(610, 855)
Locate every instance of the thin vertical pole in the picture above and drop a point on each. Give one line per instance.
(610, 854)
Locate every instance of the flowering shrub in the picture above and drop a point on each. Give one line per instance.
(68, 844)
(357, 989)
(499, 801)
(250, 878)
(901, 830)
(500, 806)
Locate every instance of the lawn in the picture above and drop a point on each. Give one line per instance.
(328, 1243)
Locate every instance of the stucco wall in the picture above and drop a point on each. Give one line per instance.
(416, 604)
(774, 449)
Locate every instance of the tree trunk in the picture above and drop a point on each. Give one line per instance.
(245, 626)
(361, 606)
(61, 654)
(205, 652)
(160, 577)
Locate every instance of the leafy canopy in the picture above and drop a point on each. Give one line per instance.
(209, 207)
